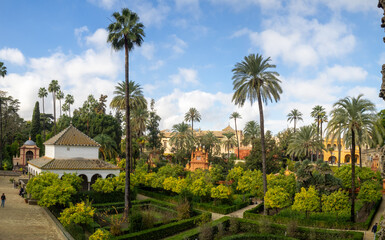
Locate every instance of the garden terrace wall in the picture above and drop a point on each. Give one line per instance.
(253, 214)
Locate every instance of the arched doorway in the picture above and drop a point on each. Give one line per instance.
(347, 158)
(332, 159)
(28, 155)
(84, 183)
(94, 178)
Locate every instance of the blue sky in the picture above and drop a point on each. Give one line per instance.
(324, 50)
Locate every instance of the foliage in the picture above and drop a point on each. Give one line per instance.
(277, 197)
(235, 174)
(363, 174)
(251, 182)
(115, 184)
(37, 184)
(101, 234)
(35, 125)
(280, 180)
(81, 213)
(221, 192)
(216, 173)
(306, 200)
(336, 202)
(59, 192)
(154, 140)
(184, 210)
(72, 179)
(200, 187)
(304, 142)
(370, 192)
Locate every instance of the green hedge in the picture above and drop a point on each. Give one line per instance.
(163, 231)
(320, 220)
(302, 233)
(251, 236)
(221, 209)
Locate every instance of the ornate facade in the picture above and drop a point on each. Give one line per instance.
(28, 151)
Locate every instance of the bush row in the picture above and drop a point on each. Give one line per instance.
(320, 220)
(251, 236)
(163, 231)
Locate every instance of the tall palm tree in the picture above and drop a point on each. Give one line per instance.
(350, 116)
(228, 142)
(54, 88)
(304, 142)
(42, 94)
(136, 98)
(69, 100)
(138, 121)
(3, 72)
(253, 81)
(60, 96)
(294, 115)
(251, 132)
(107, 146)
(318, 113)
(211, 143)
(192, 115)
(234, 116)
(126, 33)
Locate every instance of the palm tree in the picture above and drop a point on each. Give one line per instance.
(3, 72)
(3, 69)
(295, 116)
(318, 113)
(60, 96)
(350, 116)
(192, 115)
(69, 101)
(126, 32)
(304, 142)
(42, 94)
(229, 142)
(136, 98)
(181, 139)
(211, 143)
(234, 116)
(107, 146)
(251, 133)
(139, 119)
(54, 88)
(253, 81)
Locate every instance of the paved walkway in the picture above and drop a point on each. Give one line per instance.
(368, 234)
(20, 221)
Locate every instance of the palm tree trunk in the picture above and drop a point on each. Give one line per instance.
(316, 152)
(235, 120)
(192, 128)
(60, 107)
(43, 121)
(54, 112)
(322, 155)
(127, 200)
(339, 150)
(262, 147)
(353, 157)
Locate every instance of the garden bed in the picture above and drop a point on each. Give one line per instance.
(318, 219)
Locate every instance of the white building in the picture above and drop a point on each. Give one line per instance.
(71, 151)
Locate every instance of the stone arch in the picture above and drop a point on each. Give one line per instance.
(328, 146)
(94, 178)
(332, 159)
(28, 155)
(347, 158)
(84, 183)
(110, 175)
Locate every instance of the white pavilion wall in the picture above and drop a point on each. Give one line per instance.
(67, 152)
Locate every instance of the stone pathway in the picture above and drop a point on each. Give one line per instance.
(368, 234)
(20, 221)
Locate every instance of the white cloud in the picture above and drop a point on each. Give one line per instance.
(346, 73)
(94, 71)
(185, 76)
(79, 33)
(241, 32)
(150, 14)
(98, 39)
(147, 50)
(238, 5)
(158, 64)
(350, 5)
(13, 55)
(107, 4)
(179, 45)
(191, 6)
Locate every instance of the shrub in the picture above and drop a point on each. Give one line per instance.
(206, 232)
(292, 229)
(234, 226)
(184, 210)
(148, 220)
(81, 213)
(136, 222)
(100, 234)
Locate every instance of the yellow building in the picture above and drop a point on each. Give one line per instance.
(331, 152)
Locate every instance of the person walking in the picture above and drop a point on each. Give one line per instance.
(374, 230)
(2, 200)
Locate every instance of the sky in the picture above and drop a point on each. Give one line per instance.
(324, 50)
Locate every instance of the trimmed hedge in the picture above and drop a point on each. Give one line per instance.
(221, 209)
(320, 220)
(163, 231)
(251, 236)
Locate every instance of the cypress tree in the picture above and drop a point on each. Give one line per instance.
(35, 126)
